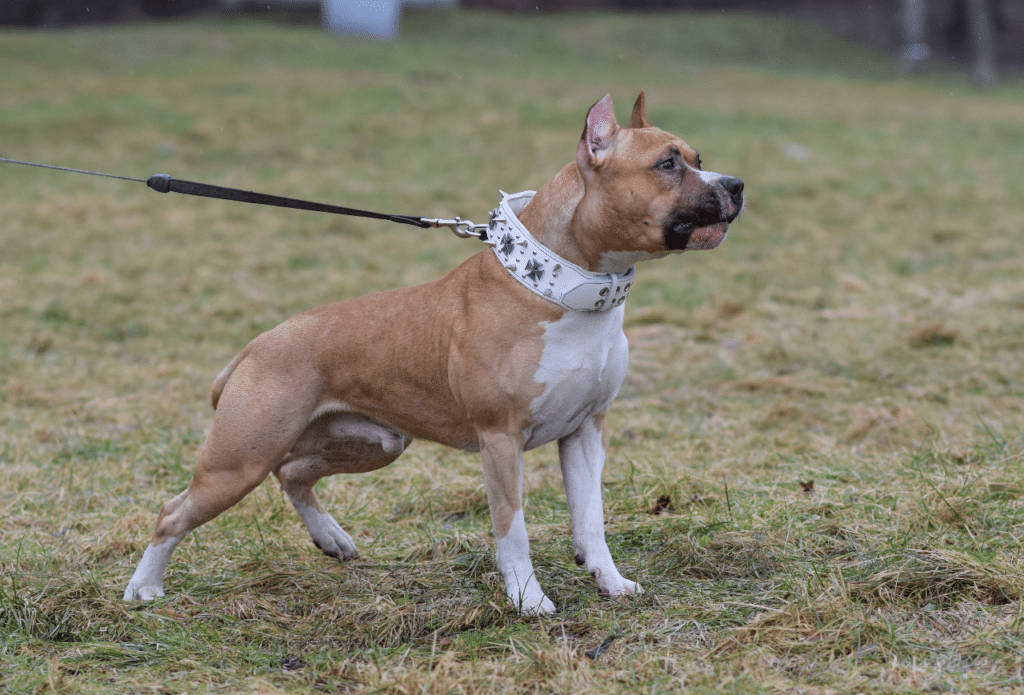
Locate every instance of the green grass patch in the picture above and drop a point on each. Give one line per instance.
(817, 464)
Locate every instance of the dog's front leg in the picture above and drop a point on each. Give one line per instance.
(503, 477)
(582, 458)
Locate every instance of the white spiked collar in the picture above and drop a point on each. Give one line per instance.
(542, 271)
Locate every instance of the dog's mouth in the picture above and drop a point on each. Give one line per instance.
(707, 237)
(695, 235)
(701, 229)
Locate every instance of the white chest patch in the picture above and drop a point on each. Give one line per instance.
(582, 367)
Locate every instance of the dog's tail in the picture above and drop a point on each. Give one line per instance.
(222, 379)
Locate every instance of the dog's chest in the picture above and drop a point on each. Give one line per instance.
(582, 366)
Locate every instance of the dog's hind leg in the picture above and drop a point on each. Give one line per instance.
(335, 443)
(213, 489)
(256, 424)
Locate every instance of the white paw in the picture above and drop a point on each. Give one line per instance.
(142, 593)
(541, 605)
(530, 600)
(611, 583)
(331, 538)
(326, 532)
(148, 581)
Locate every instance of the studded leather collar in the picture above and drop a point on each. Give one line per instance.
(543, 272)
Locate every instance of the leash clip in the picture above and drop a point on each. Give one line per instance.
(464, 229)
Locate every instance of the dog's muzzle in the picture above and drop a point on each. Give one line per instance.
(705, 226)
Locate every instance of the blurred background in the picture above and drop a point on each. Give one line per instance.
(988, 35)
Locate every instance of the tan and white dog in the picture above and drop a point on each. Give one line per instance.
(520, 345)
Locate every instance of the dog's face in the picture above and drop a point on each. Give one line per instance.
(646, 193)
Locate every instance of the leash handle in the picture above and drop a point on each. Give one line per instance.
(162, 183)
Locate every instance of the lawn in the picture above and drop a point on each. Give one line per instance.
(817, 459)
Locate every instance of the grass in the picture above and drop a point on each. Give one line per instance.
(816, 465)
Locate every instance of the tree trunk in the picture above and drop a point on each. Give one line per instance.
(982, 36)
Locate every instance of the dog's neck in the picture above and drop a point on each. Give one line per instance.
(550, 217)
(549, 274)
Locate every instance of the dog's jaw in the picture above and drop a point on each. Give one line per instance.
(685, 235)
(617, 261)
(708, 237)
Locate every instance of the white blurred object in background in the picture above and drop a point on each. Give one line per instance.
(375, 18)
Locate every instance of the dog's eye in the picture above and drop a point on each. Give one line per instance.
(699, 163)
(667, 165)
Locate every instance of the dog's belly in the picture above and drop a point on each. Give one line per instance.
(340, 442)
(582, 366)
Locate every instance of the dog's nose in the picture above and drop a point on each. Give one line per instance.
(734, 187)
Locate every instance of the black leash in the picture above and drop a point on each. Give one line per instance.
(162, 183)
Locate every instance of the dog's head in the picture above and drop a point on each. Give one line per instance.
(646, 195)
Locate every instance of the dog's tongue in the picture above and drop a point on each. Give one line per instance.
(707, 237)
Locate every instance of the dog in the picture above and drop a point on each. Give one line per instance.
(520, 345)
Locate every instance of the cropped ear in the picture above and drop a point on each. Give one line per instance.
(639, 118)
(598, 135)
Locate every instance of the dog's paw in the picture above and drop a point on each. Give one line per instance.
(614, 585)
(536, 606)
(332, 539)
(529, 599)
(142, 593)
(147, 583)
(337, 551)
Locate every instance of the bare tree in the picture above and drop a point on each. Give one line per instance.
(982, 39)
